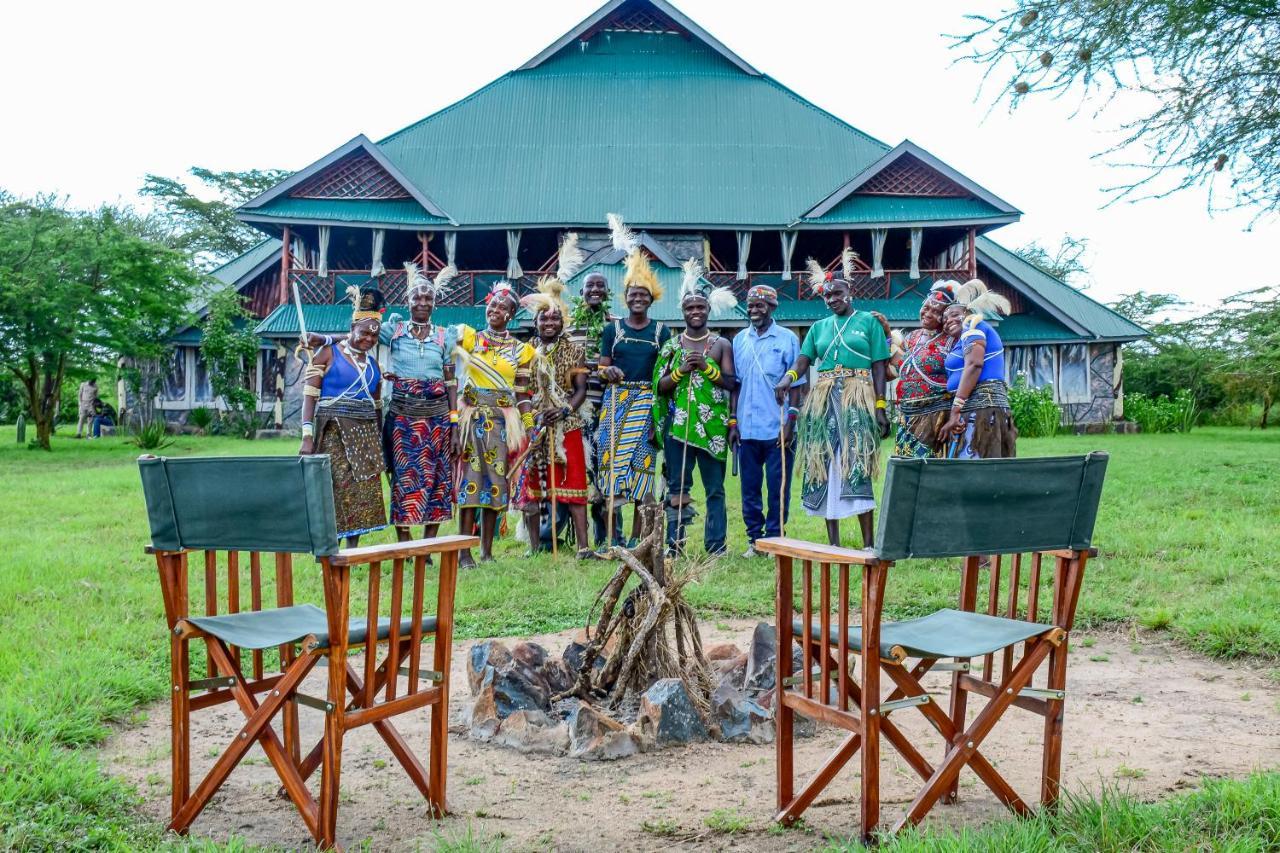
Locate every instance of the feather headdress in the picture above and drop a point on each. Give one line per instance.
(624, 239)
(944, 291)
(640, 274)
(570, 258)
(550, 294)
(417, 281)
(367, 302)
(503, 290)
(693, 285)
(818, 277)
(979, 299)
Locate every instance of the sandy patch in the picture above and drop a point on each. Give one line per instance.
(1142, 714)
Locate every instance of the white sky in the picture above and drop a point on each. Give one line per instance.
(96, 94)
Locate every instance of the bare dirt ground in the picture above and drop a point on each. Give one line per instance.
(1142, 715)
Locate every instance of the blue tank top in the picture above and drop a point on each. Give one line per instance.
(344, 380)
(993, 360)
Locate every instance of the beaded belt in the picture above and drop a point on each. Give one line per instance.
(501, 397)
(334, 407)
(990, 394)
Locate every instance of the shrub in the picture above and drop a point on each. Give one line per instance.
(1034, 412)
(1161, 414)
(201, 418)
(237, 424)
(153, 435)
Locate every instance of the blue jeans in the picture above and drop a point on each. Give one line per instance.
(760, 462)
(680, 482)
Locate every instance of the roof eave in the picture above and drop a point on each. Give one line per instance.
(917, 223)
(1031, 293)
(268, 219)
(902, 148)
(666, 8)
(362, 142)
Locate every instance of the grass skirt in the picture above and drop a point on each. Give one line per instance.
(838, 424)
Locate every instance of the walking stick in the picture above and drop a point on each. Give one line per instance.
(613, 467)
(555, 515)
(684, 460)
(782, 490)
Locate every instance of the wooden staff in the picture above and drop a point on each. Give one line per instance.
(782, 490)
(555, 515)
(684, 457)
(613, 467)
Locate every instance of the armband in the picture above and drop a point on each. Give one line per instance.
(526, 418)
(310, 391)
(453, 416)
(881, 404)
(308, 429)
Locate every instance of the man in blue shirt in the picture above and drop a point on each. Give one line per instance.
(762, 353)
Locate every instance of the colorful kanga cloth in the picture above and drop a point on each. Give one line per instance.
(554, 372)
(346, 427)
(697, 412)
(626, 432)
(417, 445)
(924, 403)
(489, 426)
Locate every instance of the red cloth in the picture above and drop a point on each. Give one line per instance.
(571, 476)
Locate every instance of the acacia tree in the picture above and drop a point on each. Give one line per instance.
(78, 289)
(207, 228)
(1210, 70)
(1248, 325)
(1065, 263)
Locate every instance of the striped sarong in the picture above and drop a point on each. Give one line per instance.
(626, 428)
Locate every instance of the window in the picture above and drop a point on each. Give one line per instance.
(1034, 363)
(175, 380)
(1073, 374)
(201, 386)
(268, 363)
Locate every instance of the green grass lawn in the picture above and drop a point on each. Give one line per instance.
(1189, 533)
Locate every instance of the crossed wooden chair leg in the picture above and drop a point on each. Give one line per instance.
(187, 805)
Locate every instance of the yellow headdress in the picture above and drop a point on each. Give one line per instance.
(550, 294)
(366, 302)
(639, 271)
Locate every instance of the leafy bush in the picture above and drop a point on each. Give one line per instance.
(153, 435)
(201, 418)
(237, 424)
(1161, 414)
(1034, 412)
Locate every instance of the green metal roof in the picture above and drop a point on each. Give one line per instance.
(393, 212)
(1057, 297)
(336, 319)
(905, 210)
(1033, 328)
(666, 309)
(806, 311)
(660, 128)
(234, 270)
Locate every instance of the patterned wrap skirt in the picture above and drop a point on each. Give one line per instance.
(626, 430)
(989, 431)
(489, 431)
(348, 433)
(570, 486)
(920, 421)
(416, 439)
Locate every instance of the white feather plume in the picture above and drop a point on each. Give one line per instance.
(444, 278)
(570, 258)
(817, 275)
(722, 300)
(692, 273)
(353, 293)
(624, 239)
(847, 257)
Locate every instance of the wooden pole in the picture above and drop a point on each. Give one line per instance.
(284, 267)
(782, 487)
(555, 514)
(613, 467)
(973, 253)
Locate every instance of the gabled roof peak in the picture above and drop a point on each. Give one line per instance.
(639, 16)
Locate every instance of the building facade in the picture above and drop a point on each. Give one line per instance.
(637, 110)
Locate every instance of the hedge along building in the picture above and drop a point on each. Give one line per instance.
(638, 110)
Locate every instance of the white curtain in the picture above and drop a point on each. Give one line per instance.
(878, 236)
(376, 268)
(1035, 364)
(451, 248)
(917, 237)
(744, 249)
(1073, 374)
(322, 264)
(513, 249)
(788, 248)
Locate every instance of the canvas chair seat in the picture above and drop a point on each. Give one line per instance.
(945, 634)
(263, 629)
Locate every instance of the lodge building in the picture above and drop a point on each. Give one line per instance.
(725, 164)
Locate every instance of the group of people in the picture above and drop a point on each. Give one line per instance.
(93, 412)
(569, 427)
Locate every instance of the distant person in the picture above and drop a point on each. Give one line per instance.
(981, 424)
(87, 395)
(104, 414)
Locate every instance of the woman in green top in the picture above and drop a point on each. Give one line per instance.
(843, 419)
(693, 379)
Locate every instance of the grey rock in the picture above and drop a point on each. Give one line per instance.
(593, 736)
(741, 719)
(480, 716)
(533, 732)
(667, 711)
(762, 658)
(489, 655)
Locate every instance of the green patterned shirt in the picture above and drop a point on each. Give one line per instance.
(698, 409)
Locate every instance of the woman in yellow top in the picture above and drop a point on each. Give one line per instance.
(496, 413)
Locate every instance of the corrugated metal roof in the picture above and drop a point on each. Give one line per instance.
(234, 270)
(1096, 319)
(889, 209)
(364, 211)
(1033, 328)
(331, 319)
(807, 311)
(666, 309)
(661, 129)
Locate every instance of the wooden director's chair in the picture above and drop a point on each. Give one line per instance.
(277, 507)
(992, 513)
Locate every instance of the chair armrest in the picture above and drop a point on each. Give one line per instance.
(402, 550)
(786, 547)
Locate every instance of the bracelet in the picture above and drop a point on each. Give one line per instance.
(733, 422)
(712, 372)
(793, 411)
(795, 377)
(328, 340)
(792, 415)
(881, 404)
(453, 416)
(676, 375)
(308, 429)
(526, 418)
